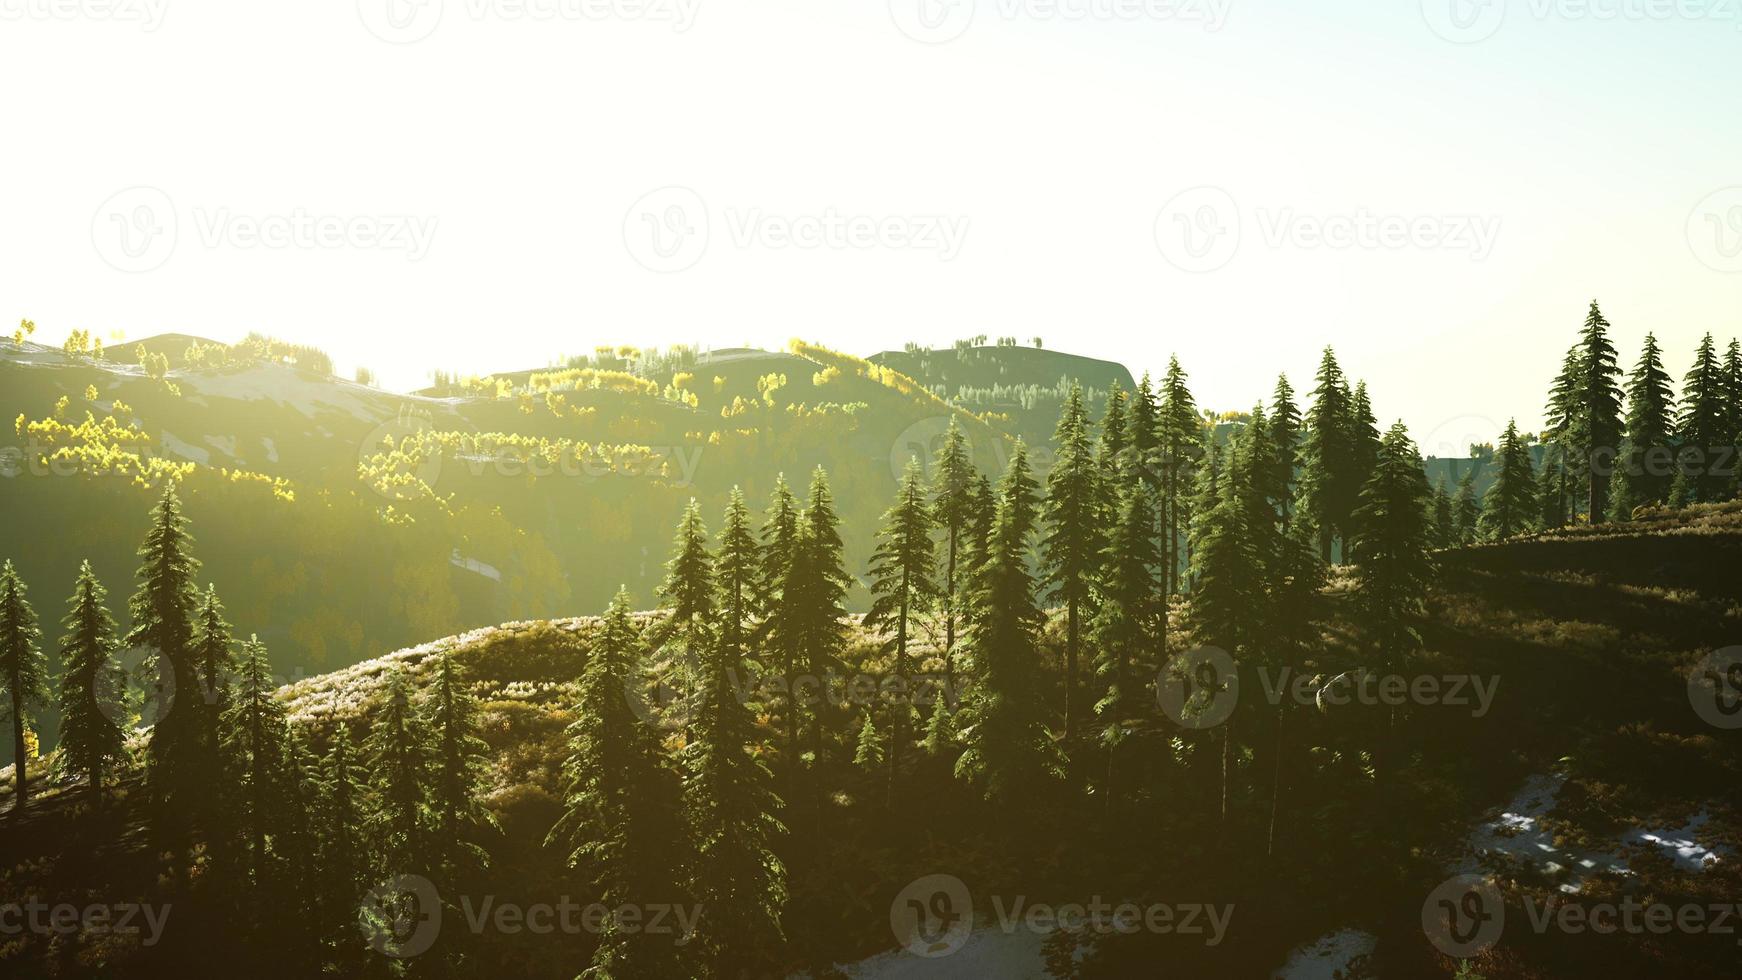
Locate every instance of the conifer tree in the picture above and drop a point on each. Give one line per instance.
(984, 512)
(901, 585)
(162, 609)
(1181, 448)
(23, 673)
(1599, 423)
(1009, 751)
(1144, 415)
(213, 661)
(343, 852)
(779, 533)
(1733, 412)
(1110, 450)
(1445, 523)
(1467, 509)
(1364, 429)
(1285, 428)
(940, 729)
(92, 685)
(1510, 505)
(622, 819)
(1124, 623)
(737, 881)
(1393, 566)
(460, 771)
(868, 753)
(688, 589)
(1701, 429)
(736, 573)
(952, 509)
(1330, 473)
(1551, 488)
(253, 726)
(1642, 471)
(400, 759)
(1564, 434)
(1071, 547)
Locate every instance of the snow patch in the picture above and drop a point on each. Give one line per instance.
(223, 444)
(1518, 833)
(1323, 957)
(186, 450)
(987, 952)
(271, 449)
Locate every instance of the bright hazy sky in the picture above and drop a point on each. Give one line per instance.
(1034, 169)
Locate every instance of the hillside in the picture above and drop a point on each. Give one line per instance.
(1588, 637)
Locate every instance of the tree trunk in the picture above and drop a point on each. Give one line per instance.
(1071, 633)
(19, 765)
(1275, 781)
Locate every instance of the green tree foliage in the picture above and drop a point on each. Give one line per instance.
(736, 879)
(1390, 554)
(92, 685)
(1285, 430)
(1330, 472)
(736, 574)
(1181, 447)
(1642, 471)
(622, 820)
(1009, 752)
(1701, 429)
(1597, 431)
(952, 495)
(459, 773)
(1467, 509)
(1443, 517)
(254, 727)
(1123, 629)
(343, 851)
(808, 625)
(23, 672)
(1510, 506)
(902, 583)
(162, 610)
(400, 760)
(779, 536)
(1072, 542)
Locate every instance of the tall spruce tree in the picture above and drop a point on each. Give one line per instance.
(213, 661)
(1733, 412)
(779, 534)
(952, 509)
(1009, 752)
(343, 851)
(1071, 548)
(1564, 434)
(1125, 621)
(736, 879)
(1181, 448)
(1467, 508)
(1700, 431)
(1599, 424)
(400, 759)
(1510, 506)
(162, 609)
(688, 597)
(91, 686)
(23, 673)
(1110, 449)
(253, 726)
(1391, 553)
(1330, 472)
(1642, 470)
(1364, 430)
(459, 772)
(1444, 518)
(1285, 428)
(736, 574)
(622, 820)
(902, 584)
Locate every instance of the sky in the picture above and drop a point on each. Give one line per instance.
(1438, 189)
